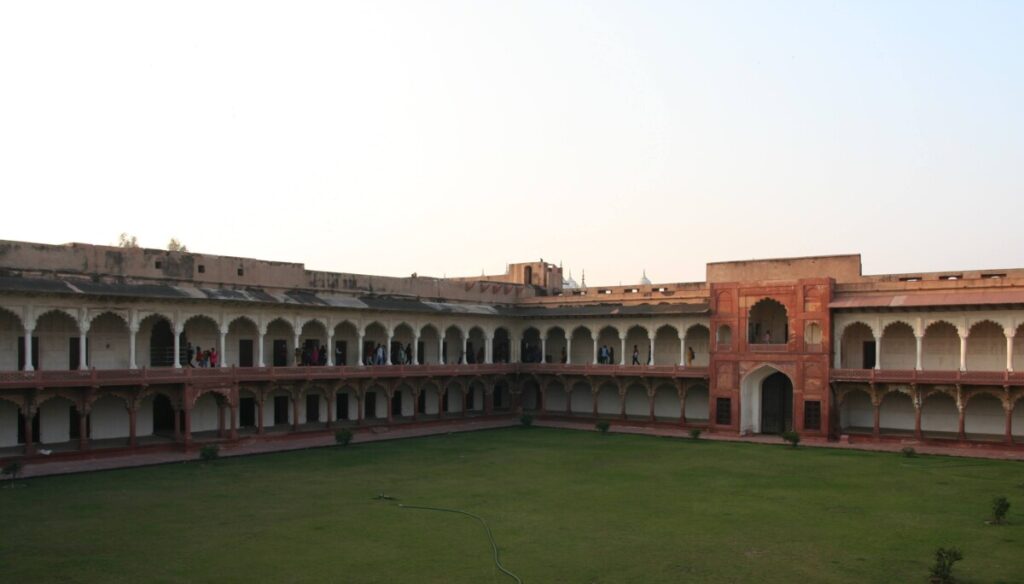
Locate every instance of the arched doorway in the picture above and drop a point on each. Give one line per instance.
(766, 402)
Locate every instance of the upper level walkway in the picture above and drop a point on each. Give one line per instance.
(912, 376)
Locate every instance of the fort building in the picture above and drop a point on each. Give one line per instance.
(100, 350)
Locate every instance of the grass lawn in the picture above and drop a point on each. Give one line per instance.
(565, 507)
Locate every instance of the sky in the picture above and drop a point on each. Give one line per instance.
(450, 138)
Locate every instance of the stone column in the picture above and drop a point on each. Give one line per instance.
(963, 353)
(132, 334)
(187, 412)
(595, 349)
(440, 348)
(259, 350)
(359, 350)
(234, 422)
(387, 351)
(28, 350)
(295, 414)
(876, 428)
(622, 404)
(919, 340)
(220, 420)
(543, 349)
(83, 343)
(682, 350)
(1009, 351)
(622, 351)
(415, 357)
(650, 348)
(878, 353)
(960, 430)
(488, 350)
(222, 357)
(568, 349)
(330, 349)
(291, 355)
(465, 351)
(917, 418)
(177, 347)
(650, 404)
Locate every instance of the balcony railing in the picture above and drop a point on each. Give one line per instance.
(157, 375)
(913, 376)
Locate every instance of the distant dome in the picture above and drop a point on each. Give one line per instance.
(644, 280)
(569, 283)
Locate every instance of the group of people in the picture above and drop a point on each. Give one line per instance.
(198, 357)
(311, 355)
(378, 355)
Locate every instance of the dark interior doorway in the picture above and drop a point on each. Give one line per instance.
(161, 344)
(35, 428)
(163, 415)
(340, 353)
(869, 355)
(280, 409)
(776, 404)
(245, 351)
(247, 412)
(75, 353)
(421, 403)
(396, 404)
(312, 408)
(370, 405)
(341, 406)
(280, 353)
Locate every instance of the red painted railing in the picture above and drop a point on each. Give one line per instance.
(164, 375)
(912, 376)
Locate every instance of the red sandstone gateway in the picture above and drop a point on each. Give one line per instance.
(100, 350)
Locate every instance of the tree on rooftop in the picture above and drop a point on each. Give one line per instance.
(127, 241)
(175, 245)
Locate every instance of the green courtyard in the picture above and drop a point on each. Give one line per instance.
(564, 506)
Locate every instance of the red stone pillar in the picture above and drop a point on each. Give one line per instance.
(440, 403)
(177, 425)
(295, 415)
(540, 400)
(622, 405)
(234, 422)
(960, 433)
(650, 406)
(682, 407)
(416, 405)
(465, 402)
(1008, 433)
(220, 420)
(917, 423)
(876, 429)
(489, 402)
(360, 402)
(391, 405)
(187, 437)
(83, 429)
(259, 416)
(133, 417)
(30, 447)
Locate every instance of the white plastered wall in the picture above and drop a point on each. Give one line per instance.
(636, 402)
(896, 412)
(940, 349)
(939, 414)
(8, 423)
(241, 329)
(698, 338)
(986, 347)
(852, 345)
(666, 347)
(582, 399)
(205, 414)
(697, 404)
(666, 403)
(582, 347)
(984, 414)
(109, 341)
(54, 420)
(54, 330)
(856, 411)
(608, 401)
(108, 419)
(899, 347)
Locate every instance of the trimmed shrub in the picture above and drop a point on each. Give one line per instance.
(1000, 507)
(792, 437)
(343, 436)
(908, 452)
(942, 571)
(695, 433)
(526, 420)
(209, 452)
(602, 426)
(12, 469)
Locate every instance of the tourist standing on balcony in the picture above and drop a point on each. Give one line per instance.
(636, 355)
(191, 353)
(214, 357)
(323, 355)
(409, 353)
(768, 336)
(690, 356)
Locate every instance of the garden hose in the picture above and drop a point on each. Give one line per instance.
(490, 536)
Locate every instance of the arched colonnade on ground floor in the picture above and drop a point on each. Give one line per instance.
(666, 400)
(937, 412)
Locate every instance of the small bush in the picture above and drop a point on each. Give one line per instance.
(209, 452)
(695, 433)
(12, 469)
(343, 436)
(526, 420)
(792, 437)
(942, 571)
(1000, 507)
(908, 452)
(602, 426)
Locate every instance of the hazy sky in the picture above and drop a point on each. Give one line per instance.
(449, 137)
